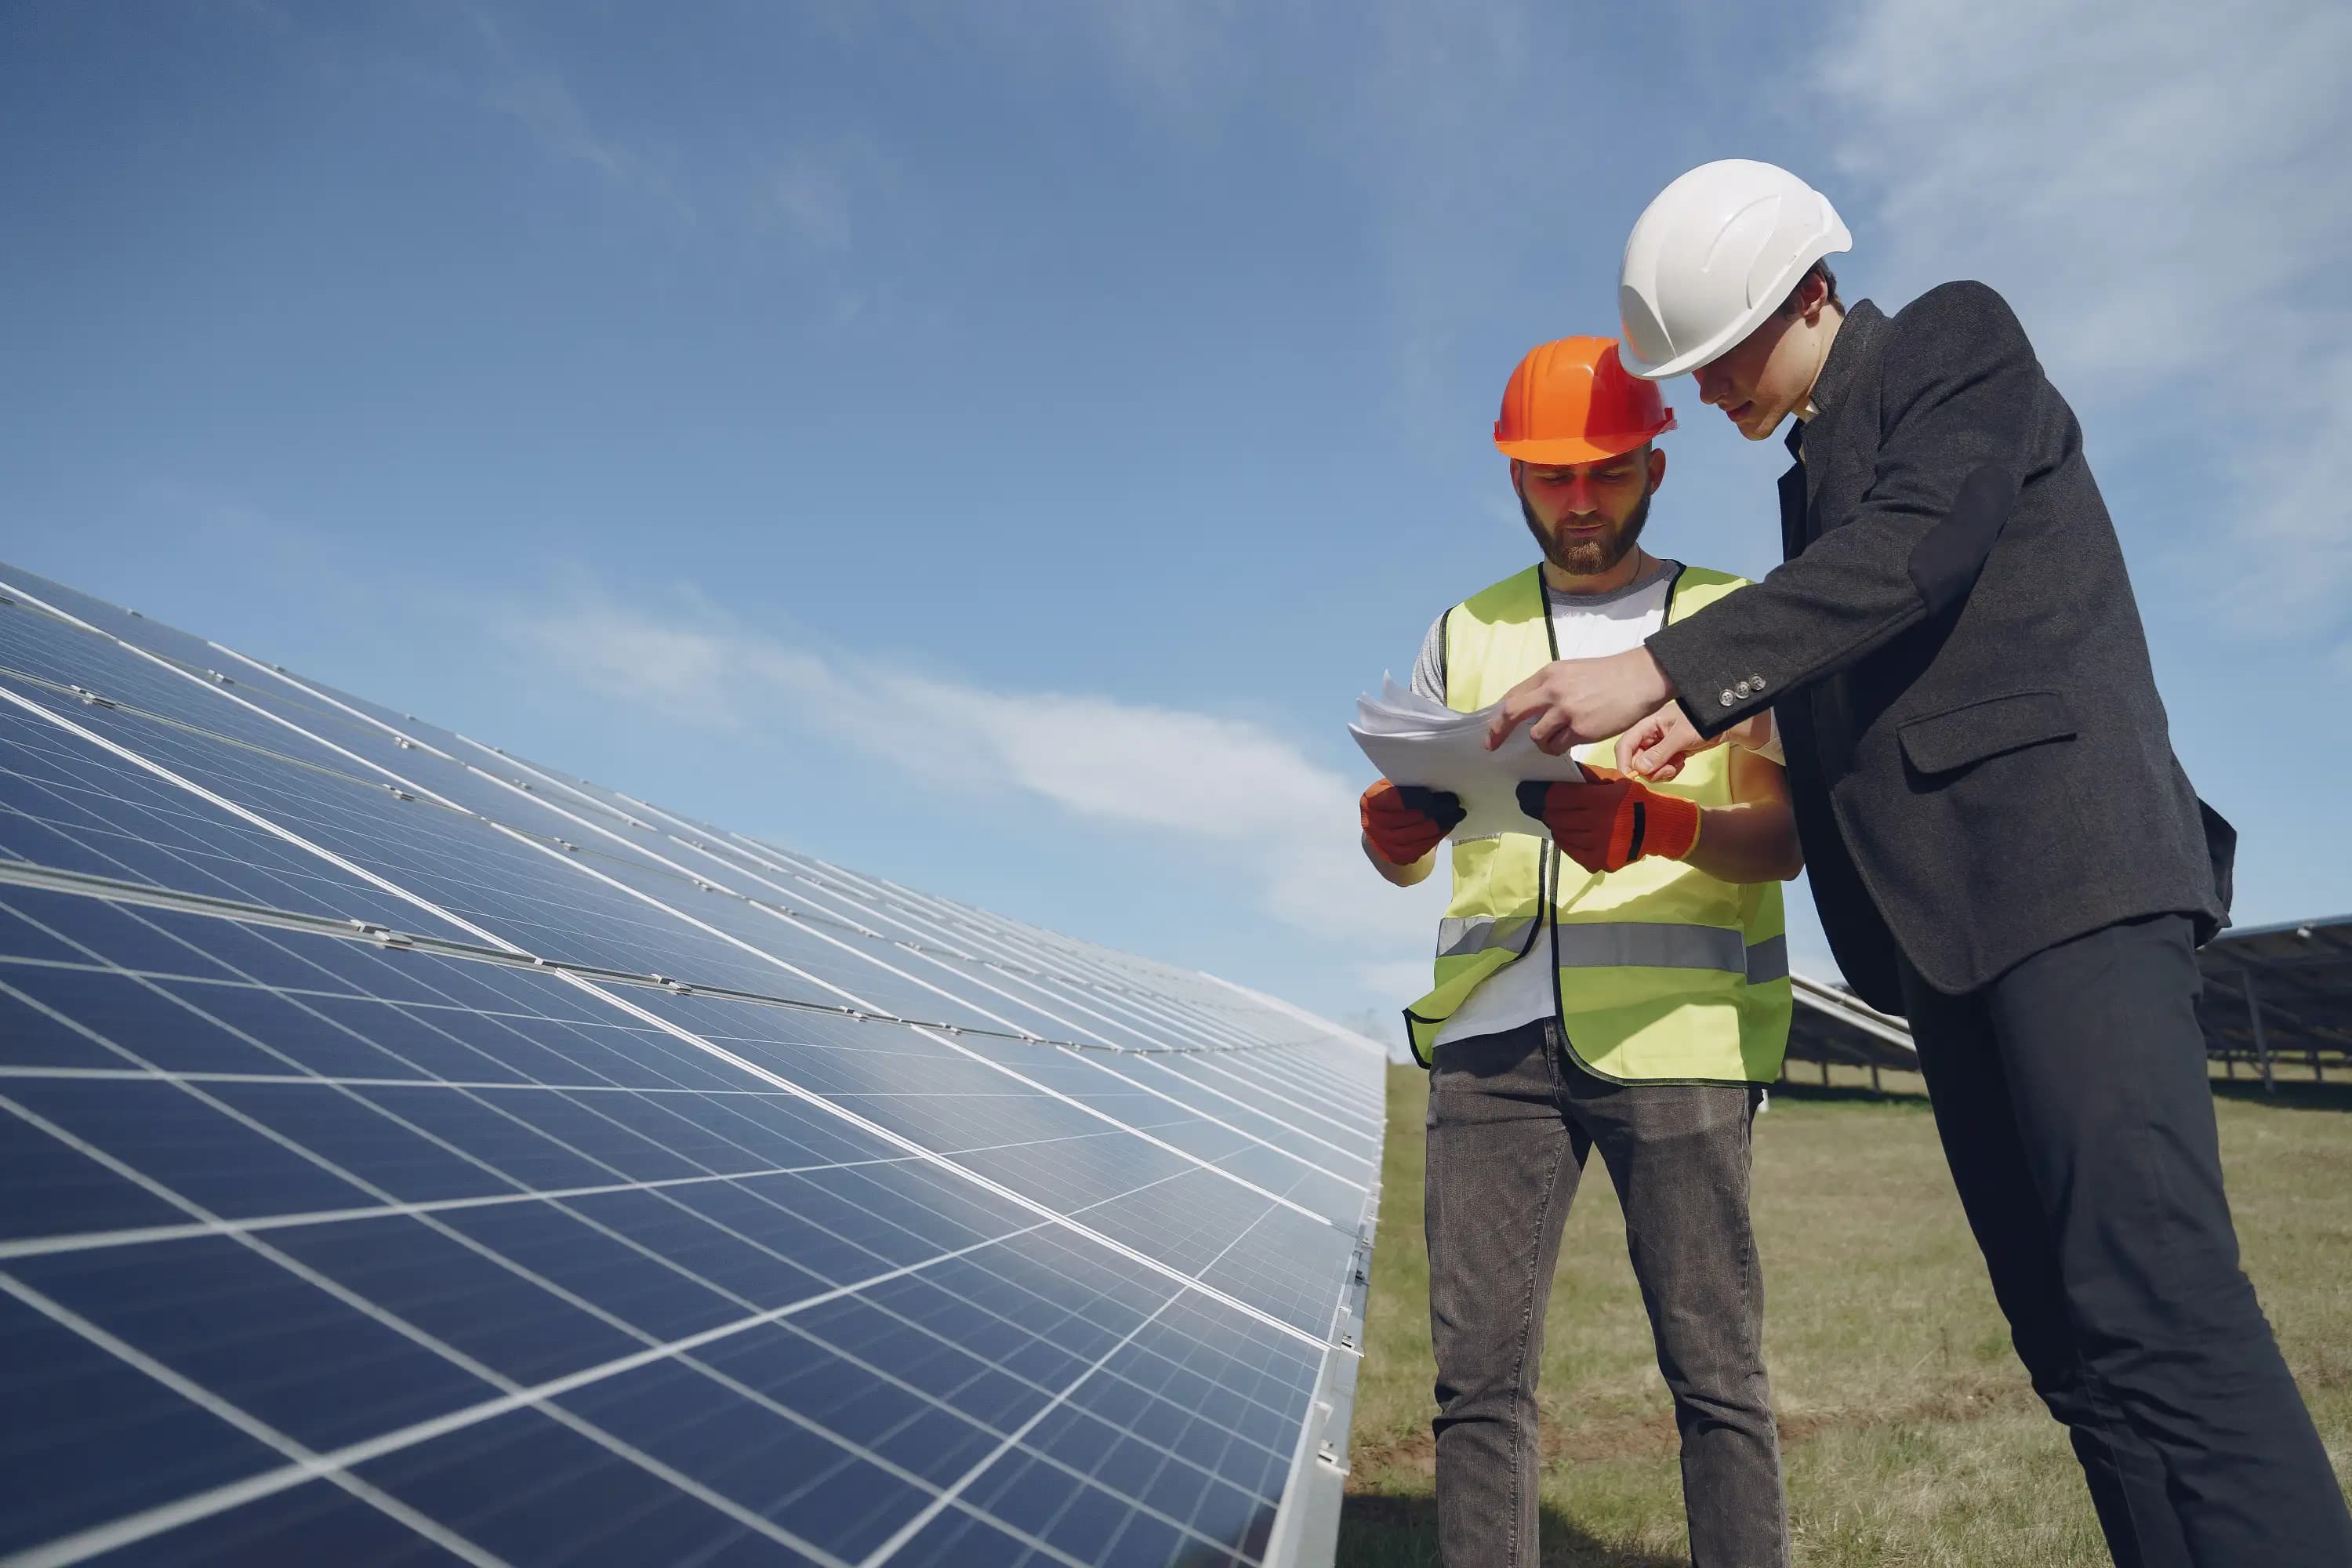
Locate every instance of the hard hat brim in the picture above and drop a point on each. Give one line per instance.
(1564, 450)
(1835, 242)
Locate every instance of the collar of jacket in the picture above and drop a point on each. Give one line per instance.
(1862, 323)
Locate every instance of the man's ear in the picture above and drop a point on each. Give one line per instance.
(1657, 468)
(1815, 298)
(1517, 488)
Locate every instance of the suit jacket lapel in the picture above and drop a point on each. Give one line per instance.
(1793, 502)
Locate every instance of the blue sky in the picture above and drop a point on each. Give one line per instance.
(991, 445)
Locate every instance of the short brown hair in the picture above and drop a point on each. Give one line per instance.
(1829, 282)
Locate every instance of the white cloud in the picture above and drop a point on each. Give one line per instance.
(2161, 191)
(1224, 787)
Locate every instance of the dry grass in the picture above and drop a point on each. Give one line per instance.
(1911, 1437)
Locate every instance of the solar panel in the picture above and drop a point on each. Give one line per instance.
(1832, 1026)
(418, 1154)
(2280, 993)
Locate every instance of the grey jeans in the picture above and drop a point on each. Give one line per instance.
(1511, 1118)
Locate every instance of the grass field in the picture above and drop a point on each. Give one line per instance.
(1909, 1433)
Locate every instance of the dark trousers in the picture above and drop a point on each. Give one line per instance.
(2073, 1102)
(1511, 1119)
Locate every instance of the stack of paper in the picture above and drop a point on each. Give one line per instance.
(1415, 740)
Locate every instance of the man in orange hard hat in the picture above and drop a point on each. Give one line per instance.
(1614, 976)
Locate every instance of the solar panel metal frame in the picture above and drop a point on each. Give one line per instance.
(1304, 1521)
(2280, 993)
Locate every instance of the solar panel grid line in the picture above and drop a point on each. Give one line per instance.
(872, 885)
(307, 1464)
(408, 785)
(21, 874)
(424, 791)
(1280, 1097)
(1235, 1270)
(311, 1461)
(932, 1510)
(1176, 1025)
(79, 1547)
(47, 1244)
(854, 1001)
(934, 954)
(1156, 1002)
(740, 1390)
(1242, 1104)
(857, 1000)
(1345, 1036)
(689, 835)
(296, 839)
(1277, 1069)
(998, 1189)
(1271, 1144)
(90, 697)
(556, 852)
(422, 1132)
(882, 1375)
(252, 818)
(589, 824)
(492, 777)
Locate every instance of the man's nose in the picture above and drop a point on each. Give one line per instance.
(1712, 389)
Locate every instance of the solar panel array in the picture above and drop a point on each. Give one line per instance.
(412, 1154)
(2280, 994)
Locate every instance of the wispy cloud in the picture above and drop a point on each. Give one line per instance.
(2166, 201)
(545, 105)
(820, 189)
(1221, 786)
(538, 97)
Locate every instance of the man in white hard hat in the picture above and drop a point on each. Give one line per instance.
(2001, 843)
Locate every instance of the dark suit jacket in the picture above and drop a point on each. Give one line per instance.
(1978, 756)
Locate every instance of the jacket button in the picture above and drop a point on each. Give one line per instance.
(1744, 689)
(1726, 699)
(1757, 681)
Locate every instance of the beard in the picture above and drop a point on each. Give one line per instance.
(1588, 557)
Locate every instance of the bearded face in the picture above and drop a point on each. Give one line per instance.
(1588, 517)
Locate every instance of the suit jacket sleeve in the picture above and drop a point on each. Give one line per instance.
(1958, 385)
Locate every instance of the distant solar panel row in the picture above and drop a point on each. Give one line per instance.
(412, 1154)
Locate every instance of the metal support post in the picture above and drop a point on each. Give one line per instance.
(2262, 1040)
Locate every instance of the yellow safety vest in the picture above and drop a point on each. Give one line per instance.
(1662, 973)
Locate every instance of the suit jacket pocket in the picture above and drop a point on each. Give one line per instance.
(1960, 737)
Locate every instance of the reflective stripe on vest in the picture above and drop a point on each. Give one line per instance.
(1662, 973)
(1626, 944)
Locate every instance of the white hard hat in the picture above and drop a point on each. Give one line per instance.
(1715, 255)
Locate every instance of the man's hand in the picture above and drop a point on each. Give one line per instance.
(1608, 825)
(1580, 700)
(1404, 822)
(1655, 748)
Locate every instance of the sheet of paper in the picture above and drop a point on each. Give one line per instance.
(1415, 741)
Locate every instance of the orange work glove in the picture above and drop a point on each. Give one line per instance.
(1405, 822)
(1608, 825)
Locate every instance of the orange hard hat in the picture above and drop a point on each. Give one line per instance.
(1571, 402)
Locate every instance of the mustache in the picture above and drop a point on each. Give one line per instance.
(1588, 556)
